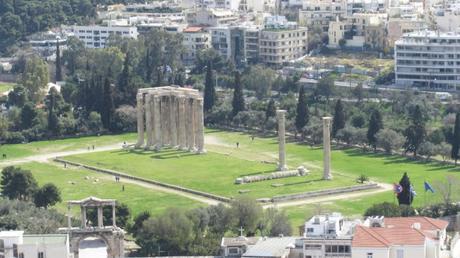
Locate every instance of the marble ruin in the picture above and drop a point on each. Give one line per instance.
(327, 122)
(281, 116)
(301, 171)
(173, 118)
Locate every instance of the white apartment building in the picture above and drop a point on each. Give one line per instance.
(210, 17)
(428, 59)
(14, 244)
(195, 40)
(321, 12)
(282, 41)
(95, 36)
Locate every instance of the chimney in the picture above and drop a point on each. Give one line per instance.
(417, 226)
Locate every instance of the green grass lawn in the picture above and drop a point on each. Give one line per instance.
(136, 197)
(5, 86)
(213, 172)
(42, 147)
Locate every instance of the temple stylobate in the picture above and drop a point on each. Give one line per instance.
(170, 117)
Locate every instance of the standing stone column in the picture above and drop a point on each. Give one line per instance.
(281, 116)
(100, 220)
(140, 120)
(199, 124)
(157, 122)
(164, 117)
(327, 148)
(148, 119)
(182, 124)
(172, 119)
(191, 132)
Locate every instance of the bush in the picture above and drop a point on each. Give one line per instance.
(125, 119)
(14, 137)
(362, 178)
(389, 140)
(389, 210)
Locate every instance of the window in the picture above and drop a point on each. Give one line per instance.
(233, 250)
(40, 255)
(370, 255)
(15, 250)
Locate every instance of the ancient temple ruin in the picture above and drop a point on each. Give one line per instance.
(170, 117)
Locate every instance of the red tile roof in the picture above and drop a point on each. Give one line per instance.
(385, 237)
(425, 223)
(193, 29)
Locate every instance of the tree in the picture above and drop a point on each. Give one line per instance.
(406, 196)
(47, 195)
(108, 106)
(389, 210)
(358, 121)
(302, 114)
(238, 97)
(209, 89)
(415, 132)
(58, 62)
(247, 213)
(17, 97)
(280, 225)
(389, 140)
(270, 111)
(53, 121)
(375, 125)
(18, 184)
(358, 92)
(443, 150)
(94, 122)
(28, 115)
(138, 221)
(35, 78)
(446, 187)
(325, 87)
(427, 149)
(456, 139)
(259, 79)
(339, 118)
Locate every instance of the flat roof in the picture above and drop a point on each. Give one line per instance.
(45, 239)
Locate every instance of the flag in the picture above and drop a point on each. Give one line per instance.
(412, 190)
(428, 187)
(397, 188)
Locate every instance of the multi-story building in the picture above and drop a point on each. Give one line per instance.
(397, 27)
(195, 39)
(428, 59)
(95, 36)
(358, 31)
(210, 17)
(232, 42)
(321, 13)
(281, 41)
(251, 44)
(14, 244)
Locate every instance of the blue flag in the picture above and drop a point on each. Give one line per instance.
(428, 187)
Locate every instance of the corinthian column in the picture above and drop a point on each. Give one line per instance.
(327, 148)
(148, 119)
(157, 122)
(281, 115)
(173, 119)
(140, 120)
(191, 124)
(181, 127)
(199, 125)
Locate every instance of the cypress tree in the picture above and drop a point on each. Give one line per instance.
(406, 196)
(58, 62)
(108, 106)
(238, 97)
(209, 89)
(302, 115)
(271, 109)
(123, 83)
(339, 118)
(375, 125)
(456, 139)
(53, 126)
(415, 132)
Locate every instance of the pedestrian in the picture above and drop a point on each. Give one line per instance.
(93, 147)
(123, 188)
(65, 164)
(116, 179)
(4, 155)
(237, 145)
(88, 148)
(252, 138)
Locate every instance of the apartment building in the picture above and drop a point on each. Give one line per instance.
(282, 41)
(195, 40)
(95, 36)
(321, 13)
(15, 244)
(358, 31)
(397, 27)
(428, 59)
(210, 17)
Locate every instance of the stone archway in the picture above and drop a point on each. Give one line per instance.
(113, 236)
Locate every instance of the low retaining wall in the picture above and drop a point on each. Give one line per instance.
(149, 181)
(290, 197)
